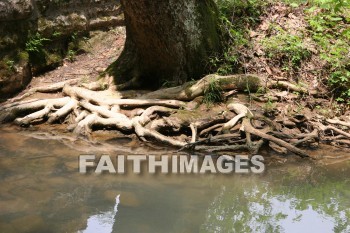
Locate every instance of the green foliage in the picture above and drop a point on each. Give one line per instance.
(10, 65)
(35, 48)
(5, 69)
(330, 29)
(23, 56)
(75, 45)
(213, 92)
(236, 16)
(331, 5)
(287, 49)
(56, 34)
(71, 55)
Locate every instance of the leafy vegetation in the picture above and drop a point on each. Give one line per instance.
(330, 29)
(213, 92)
(35, 48)
(75, 45)
(236, 17)
(287, 49)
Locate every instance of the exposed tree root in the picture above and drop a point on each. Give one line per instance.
(191, 90)
(45, 89)
(12, 112)
(338, 122)
(156, 117)
(39, 115)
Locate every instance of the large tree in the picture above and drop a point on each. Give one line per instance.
(167, 41)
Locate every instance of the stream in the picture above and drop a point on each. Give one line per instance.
(41, 190)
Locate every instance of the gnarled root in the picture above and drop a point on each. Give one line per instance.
(156, 116)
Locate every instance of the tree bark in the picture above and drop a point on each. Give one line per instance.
(167, 41)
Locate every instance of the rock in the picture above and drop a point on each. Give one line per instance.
(12, 83)
(15, 9)
(53, 20)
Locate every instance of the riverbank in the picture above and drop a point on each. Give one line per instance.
(245, 112)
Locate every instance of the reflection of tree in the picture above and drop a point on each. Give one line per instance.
(250, 204)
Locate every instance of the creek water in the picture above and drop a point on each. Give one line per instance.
(41, 190)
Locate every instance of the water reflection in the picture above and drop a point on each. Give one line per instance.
(318, 203)
(42, 191)
(102, 222)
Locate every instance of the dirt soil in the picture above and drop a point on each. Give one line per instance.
(102, 49)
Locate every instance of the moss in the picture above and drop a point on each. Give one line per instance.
(54, 58)
(5, 69)
(23, 57)
(249, 83)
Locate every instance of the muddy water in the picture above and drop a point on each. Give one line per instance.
(42, 191)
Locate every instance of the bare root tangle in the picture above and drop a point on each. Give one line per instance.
(306, 137)
(64, 111)
(247, 127)
(241, 111)
(338, 122)
(162, 111)
(45, 89)
(143, 132)
(146, 116)
(39, 115)
(13, 112)
(105, 98)
(191, 90)
(333, 129)
(209, 129)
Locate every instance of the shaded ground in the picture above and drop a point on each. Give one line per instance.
(101, 50)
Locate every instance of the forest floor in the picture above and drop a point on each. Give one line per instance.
(288, 117)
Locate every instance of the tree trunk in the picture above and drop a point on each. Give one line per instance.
(167, 41)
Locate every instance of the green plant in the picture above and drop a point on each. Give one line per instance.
(35, 48)
(235, 18)
(35, 43)
(213, 92)
(287, 49)
(56, 34)
(11, 65)
(330, 29)
(71, 55)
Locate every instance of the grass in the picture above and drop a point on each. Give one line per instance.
(213, 93)
(287, 49)
(328, 29)
(236, 16)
